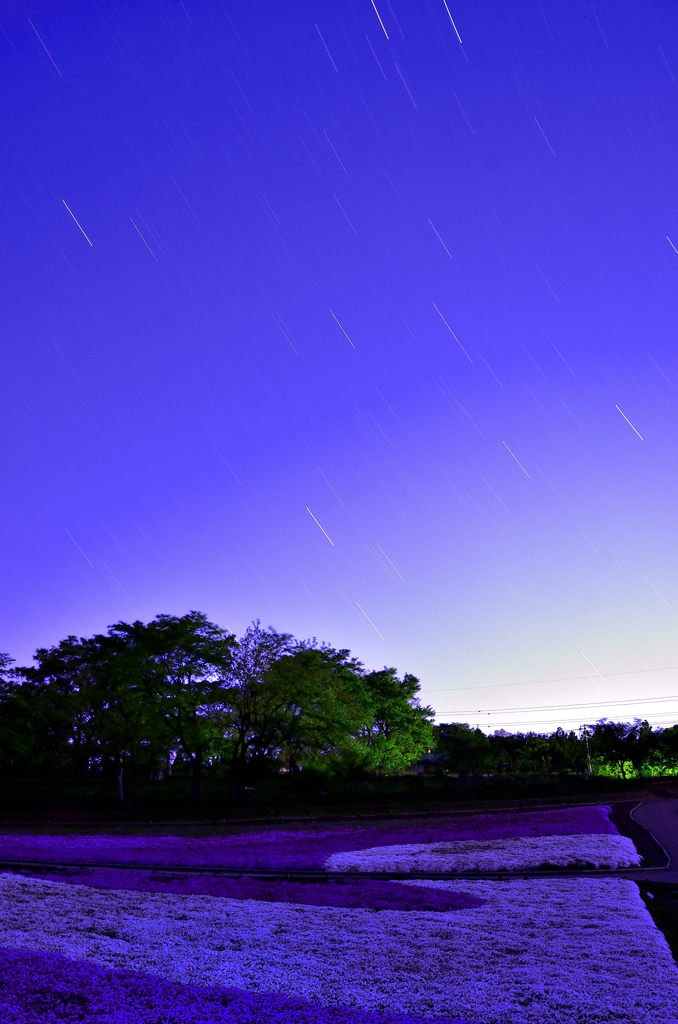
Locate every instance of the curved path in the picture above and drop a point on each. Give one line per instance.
(660, 818)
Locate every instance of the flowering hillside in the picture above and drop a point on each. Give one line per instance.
(146, 944)
(307, 848)
(575, 951)
(46, 988)
(516, 854)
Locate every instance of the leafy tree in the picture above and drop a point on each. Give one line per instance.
(623, 744)
(56, 698)
(159, 685)
(131, 728)
(187, 657)
(507, 749)
(567, 751)
(401, 729)
(468, 750)
(252, 703)
(324, 705)
(666, 749)
(91, 702)
(301, 704)
(534, 755)
(17, 720)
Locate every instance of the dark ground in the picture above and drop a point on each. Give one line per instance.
(651, 852)
(33, 801)
(661, 899)
(659, 889)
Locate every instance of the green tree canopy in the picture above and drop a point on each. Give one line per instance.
(401, 730)
(188, 657)
(253, 705)
(468, 750)
(624, 746)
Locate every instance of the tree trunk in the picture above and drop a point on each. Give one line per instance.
(238, 771)
(121, 784)
(130, 781)
(234, 775)
(197, 769)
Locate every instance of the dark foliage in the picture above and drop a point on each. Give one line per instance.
(622, 749)
(181, 696)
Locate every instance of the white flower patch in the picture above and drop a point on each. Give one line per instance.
(516, 854)
(539, 951)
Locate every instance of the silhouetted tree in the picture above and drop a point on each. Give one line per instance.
(622, 745)
(666, 748)
(189, 658)
(568, 751)
(57, 702)
(252, 703)
(468, 750)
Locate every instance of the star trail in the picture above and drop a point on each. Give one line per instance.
(279, 273)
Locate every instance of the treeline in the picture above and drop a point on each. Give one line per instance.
(181, 695)
(623, 749)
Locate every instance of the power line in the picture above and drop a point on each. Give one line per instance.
(670, 716)
(564, 679)
(587, 704)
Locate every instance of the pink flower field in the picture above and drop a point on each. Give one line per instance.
(98, 943)
(298, 849)
(45, 988)
(366, 893)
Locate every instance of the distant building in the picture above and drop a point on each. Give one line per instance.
(427, 763)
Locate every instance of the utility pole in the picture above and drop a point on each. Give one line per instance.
(588, 752)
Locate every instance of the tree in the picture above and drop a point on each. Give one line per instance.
(534, 756)
(5, 662)
(506, 748)
(622, 745)
(324, 705)
(188, 656)
(131, 729)
(104, 699)
(400, 730)
(17, 719)
(666, 748)
(468, 750)
(57, 701)
(159, 685)
(568, 751)
(300, 704)
(252, 703)
(123, 701)
(529, 752)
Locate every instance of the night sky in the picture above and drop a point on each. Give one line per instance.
(358, 319)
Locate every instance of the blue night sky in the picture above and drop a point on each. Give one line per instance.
(358, 319)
